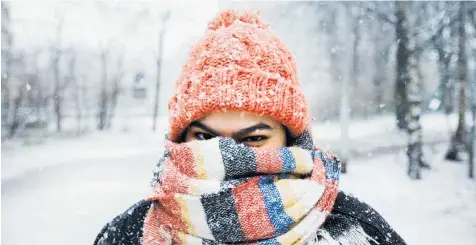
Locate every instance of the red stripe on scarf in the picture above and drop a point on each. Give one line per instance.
(173, 216)
(318, 171)
(326, 203)
(154, 233)
(173, 180)
(184, 159)
(252, 213)
(268, 161)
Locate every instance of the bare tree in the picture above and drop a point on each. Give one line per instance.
(77, 92)
(103, 94)
(472, 19)
(458, 142)
(60, 84)
(116, 89)
(443, 45)
(411, 88)
(6, 65)
(165, 19)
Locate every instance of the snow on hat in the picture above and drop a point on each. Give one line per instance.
(238, 65)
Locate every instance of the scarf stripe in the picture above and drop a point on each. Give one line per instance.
(248, 195)
(174, 214)
(185, 214)
(292, 205)
(220, 214)
(242, 153)
(290, 238)
(213, 162)
(304, 162)
(269, 242)
(287, 159)
(187, 156)
(268, 161)
(332, 170)
(272, 200)
(200, 168)
(196, 217)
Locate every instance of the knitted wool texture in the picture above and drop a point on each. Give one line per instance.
(218, 192)
(238, 65)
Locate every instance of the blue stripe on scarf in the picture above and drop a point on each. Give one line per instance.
(287, 158)
(332, 165)
(274, 205)
(269, 242)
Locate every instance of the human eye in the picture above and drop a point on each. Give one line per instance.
(203, 136)
(254, 139)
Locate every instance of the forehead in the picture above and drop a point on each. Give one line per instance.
(231, 121)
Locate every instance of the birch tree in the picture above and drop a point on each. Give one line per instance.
(458, 141)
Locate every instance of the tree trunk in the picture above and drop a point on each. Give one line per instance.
(473, 106)
(114, 97)
(403, 75)
(15, 121)
(472, 135)
(103, 97)
(157, 83)
(348, 68)
(355, 56)
(411, 111)
(6, 66)
(57, 97)
(458, 142)
(445, 87)
(116, 87)
(77, 93)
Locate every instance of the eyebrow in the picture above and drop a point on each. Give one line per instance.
(243, 132)
(203, 127)
(239, 134)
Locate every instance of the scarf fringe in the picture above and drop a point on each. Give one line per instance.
(355, 236)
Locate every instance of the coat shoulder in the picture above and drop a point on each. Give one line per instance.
(370, 220)
(125, 228)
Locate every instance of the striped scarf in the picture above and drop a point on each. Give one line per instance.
(218, 191)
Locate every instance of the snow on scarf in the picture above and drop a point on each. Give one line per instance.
(218, 191)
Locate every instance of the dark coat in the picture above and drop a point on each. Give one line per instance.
(126, 229)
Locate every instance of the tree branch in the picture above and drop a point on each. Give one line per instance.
(378, 14)
(432, 38)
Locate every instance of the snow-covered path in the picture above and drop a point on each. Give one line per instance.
(69, 203)
(439, 209)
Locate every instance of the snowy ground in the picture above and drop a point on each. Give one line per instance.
(440, 209)
(63, 191)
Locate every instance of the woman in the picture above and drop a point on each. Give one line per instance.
(240, 165)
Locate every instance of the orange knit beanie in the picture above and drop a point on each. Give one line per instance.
(239, 65)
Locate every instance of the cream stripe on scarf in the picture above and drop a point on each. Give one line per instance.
(185, 212)
(200, 167)
(196, 216)
(213, 160)
(201, 187)
(304, 163)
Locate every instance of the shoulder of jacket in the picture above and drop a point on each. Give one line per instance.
(370, 220)
(126, 228)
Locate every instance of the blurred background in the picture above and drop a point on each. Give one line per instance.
(85, 86)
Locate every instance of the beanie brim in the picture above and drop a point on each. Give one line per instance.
(279, 100)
